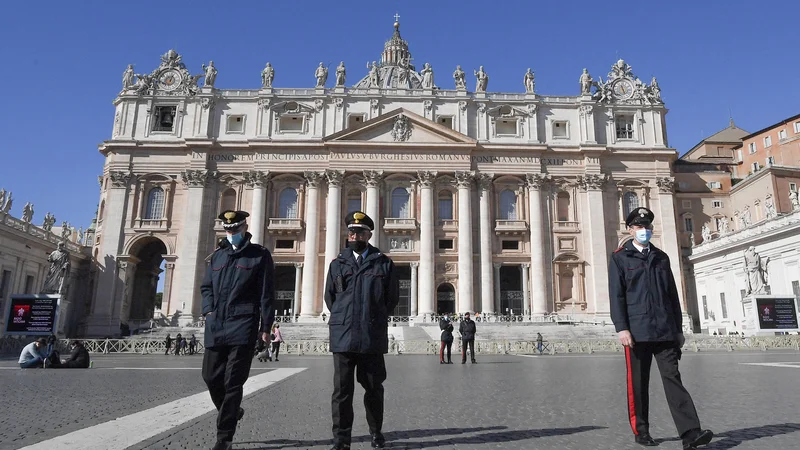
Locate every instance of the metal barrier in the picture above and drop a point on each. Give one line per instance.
(10, 345)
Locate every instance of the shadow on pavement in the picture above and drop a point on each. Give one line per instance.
(485, 435)
(731, 439)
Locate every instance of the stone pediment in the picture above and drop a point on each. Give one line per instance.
(400, 127)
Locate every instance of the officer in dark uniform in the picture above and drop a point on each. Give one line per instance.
(646, 312)
(361, 291)
(238, 297)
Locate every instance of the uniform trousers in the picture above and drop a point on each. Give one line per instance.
(467, 343)
(638, 361)
(445, 345)
(225, 370)
(370, 371)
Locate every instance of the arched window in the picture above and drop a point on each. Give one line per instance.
(508, 205)
(445, 205)
(102, 211)
(353, 201)
(400, 203)
(445, 299)
(228, 200)
(562, 207)
(287, 204)
(155, 204)
(630, 201)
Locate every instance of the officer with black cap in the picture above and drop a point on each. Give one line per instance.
(238, 304)
(361, 291)
(646, 312)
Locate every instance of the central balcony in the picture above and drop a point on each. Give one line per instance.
(510, 227)
(566, 227)
(150, 224)
(285, 226)
(399, 225)
(449, 224)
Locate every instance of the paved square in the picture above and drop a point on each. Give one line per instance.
(508, 402)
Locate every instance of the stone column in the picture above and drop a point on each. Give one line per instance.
(169, 270)
(539, 304)
(333, 223)
(141, 203)
(669, 235)
(102, 321)
(487, 282)
(426, 258)
(259, 181)
(372, 179)
(496, 279)
(414, 285)
(598, 253)
(298, 280)
(127, 273)
(189, 266)
(465, 277)
(526, 296)
(309, 298)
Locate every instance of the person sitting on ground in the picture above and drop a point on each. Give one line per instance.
(32, 355)
(78, 358)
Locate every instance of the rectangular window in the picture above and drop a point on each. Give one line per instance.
(235, 124)
(770, 161)
(723, 305)
(560, 130)
(164, 118)
(291, 124)
(793, 187)
(446, 121)
(510, 245)
(29, 284)
(446, 208)
(714, 185)
(739, 154)
(796, 289)
(445, 244)
(768, 141)
(505, 127)
(782, 134)
(624, 127)
(705, 308)
(688, 224)
(751, 147)
(716, 203)
(284, 244)
(354, 119)
(797, 127)
(756, 167)
(687, 204)
(353, 204)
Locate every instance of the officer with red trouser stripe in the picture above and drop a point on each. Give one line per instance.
(646, 312)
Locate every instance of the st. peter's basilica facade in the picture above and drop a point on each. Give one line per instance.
(498, 203)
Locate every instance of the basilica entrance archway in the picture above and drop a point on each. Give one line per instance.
(403, 307)
(284, 289)
(142, 270)
(511, 295)
(445, 299)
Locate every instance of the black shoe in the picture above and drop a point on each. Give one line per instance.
(696, 438)
(463, 362)
(223, 445)
(378, 441)
(276, 359)
(473, 361)
(449, 362)
(340, 447)
(442, 362)
(646, 440)
(240, 414)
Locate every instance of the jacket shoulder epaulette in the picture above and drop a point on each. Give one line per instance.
(619, 249)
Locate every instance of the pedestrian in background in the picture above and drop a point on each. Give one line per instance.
(178, 339)
(447, 339)
(167, 344)
(277, 339)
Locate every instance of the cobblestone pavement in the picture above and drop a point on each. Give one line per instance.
(508, 402)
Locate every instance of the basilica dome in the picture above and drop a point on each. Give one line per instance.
(394, 70)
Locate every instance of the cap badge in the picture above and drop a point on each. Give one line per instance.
(358, 217)
(230, 215)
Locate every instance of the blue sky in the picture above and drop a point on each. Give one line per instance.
(62, 63)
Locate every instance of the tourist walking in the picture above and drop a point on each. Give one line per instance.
(167, 344)
(467, 331)
(646, 312)
(447, 339)
(361, 292)
(178, 339)
(192, 345)
(277, 339)
(183, 346)
(238, 303)
(539, 343)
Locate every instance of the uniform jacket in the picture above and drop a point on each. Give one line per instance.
(361, 299)
(467, 329)
(238, 294)
(644, 298)
(447, 330)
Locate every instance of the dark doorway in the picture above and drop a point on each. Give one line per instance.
(403, 308)
(140, 306)
(511, 290)
(445, 299)
(284, 289)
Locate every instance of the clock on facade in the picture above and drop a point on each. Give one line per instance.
(623, 89)
(169, 80)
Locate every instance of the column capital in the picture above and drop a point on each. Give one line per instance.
(334, 177)
(426, 178)
(298, 265)
(592, 181)
(372, 178)
(497, 265)
(119, 179)
(169, 266)
(414, 264)
(313, 178)
(536, 181)
(464, 179)
(484, 180)
(256, 178)
(197, 178)
(666, 185)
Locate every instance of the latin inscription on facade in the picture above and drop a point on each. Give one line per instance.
(479, 159)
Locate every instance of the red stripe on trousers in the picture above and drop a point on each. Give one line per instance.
(441, 351)
(631, 403)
